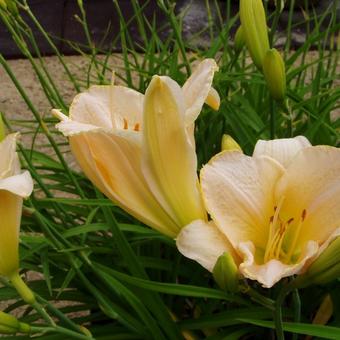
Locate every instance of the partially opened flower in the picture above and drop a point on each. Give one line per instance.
(275, 212)
(14, 186)
(139, 151)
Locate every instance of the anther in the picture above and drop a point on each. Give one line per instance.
(126, 125)
(137, 127)
(304, 214)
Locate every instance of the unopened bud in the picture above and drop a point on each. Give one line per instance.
(8, 320)
(3, 4)
(12, 7)
(229, 144)
(7, 330)
(24, 328)
(239, 40)
(10, 325)
(226, 274)
(253, 21)
(275, 74)
(324, 269)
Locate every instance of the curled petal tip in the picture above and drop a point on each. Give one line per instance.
(157, 80)
(58, 114)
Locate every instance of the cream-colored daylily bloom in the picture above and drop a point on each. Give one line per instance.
(14, 186)
(106, 128)
(278, 210)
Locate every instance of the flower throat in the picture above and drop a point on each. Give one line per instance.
(283, 236)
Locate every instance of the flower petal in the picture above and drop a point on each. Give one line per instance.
(10, 212)
(197, 89)
(9, 164)
(107, 106)
(113, 163)
(169, 159)
(20, 185)
(283, 150)
(213, 99)
(272, 271)
(238, 191)
(71, 128)
(203, 242)
(311, 187)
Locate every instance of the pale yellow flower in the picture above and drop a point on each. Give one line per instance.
(14, 186)
(275, 212)
(139, 150)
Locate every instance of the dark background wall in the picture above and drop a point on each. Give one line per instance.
(58, 17)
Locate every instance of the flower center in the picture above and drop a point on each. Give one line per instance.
(135, 127)
(283, 236)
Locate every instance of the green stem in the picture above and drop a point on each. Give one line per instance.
(274, 25)
(60, 330)
(278, 311)
(297, 310)
(51, 43)
(41, 310)
(272, 118)
(177, 29)
(259, 298)
(26, 294)
(61, 316)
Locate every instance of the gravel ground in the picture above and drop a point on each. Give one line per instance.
(12, 104)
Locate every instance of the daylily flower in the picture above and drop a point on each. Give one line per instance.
(14, 186)
(139, 151)
(275, 212)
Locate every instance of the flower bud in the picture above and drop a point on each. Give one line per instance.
(225, 273)
(253, 21)
(12, 7)
(9, 324)
(3, 4)
(229, 144)
(324, 269)
(275, 74)
(239, 40)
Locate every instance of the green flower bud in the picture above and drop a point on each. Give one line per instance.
(324, 269)
(24, 328)
(7, 330)
(225, 273)
(229, 144)
(253, 20)
(2, 128)
(10, 325)
(3, 5)
(239, 40)
(12, 7)
(275, 74)
(8, 320)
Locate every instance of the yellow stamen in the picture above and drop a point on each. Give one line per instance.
(296, 235)
(273, 234)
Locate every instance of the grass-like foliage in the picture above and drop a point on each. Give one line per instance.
(99, 267)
